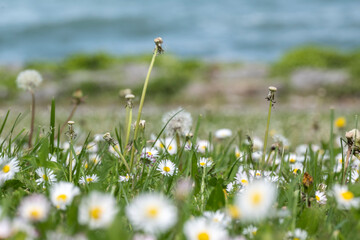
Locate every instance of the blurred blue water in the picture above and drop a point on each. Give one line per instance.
(252, 30)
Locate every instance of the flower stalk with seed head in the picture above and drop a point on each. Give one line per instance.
(129, 106)
(271, 98)
(72, 135)
(77, 99)
(107, 137)
(158, 50)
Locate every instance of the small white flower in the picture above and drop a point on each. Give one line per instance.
(320, 197)
(52, 158)
(150, 154)
(167, 168)
(46, 176)
(238, 153)
(28, 79)
(114, 149)
(92, 147)
(256, 156)
(250, 231)
(344, 197)
(256, 201)
(94, 159)
(151, 212)
(89, 179)
(97, 210)
(168, 145)
(230, 187)
(98, 138)
(242, 179)
(124, 178)
(200, 229)
(179, 123)
(223, 133)
(298, 234)
(8, 168)
(34, 208)
(296, 167)
(5, 228)
(217, 217)
(204, 162)
(19, 225)
(62, 194)
(203, 146)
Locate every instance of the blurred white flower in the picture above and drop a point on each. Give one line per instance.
(345, 198)
(296, 167)
(151, 212)
(168, 145)
(167, 167)
(201, 229)
(89, 179)
(62, 194)
(124, 178)
(34, 208)
(256, 201)
(320, 197)
(203, 146)
(217, 217)
(180, 123)
(92, 147)
(150, 154)
(97, 210)
(223, 133)
(5, 228)
(28, 79)
(242, 178)
(297, 234)
(204, 162)
(46, 176)
(250, 231)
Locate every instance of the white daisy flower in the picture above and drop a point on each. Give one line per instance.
(46, 176)
(112, 149)
(66, 146)
(151, 212)
(230, 187)
(250, 231)
(125, 178)
(217, 217)
(203, 146)
(28, 79)
(344, 197)
(200, 229)
(150, 154)
(238, 153)
(256, 156)
(52, 158)
(97, 210)
(92, 147)
(355, 175)
(94, 159)
(89, 179)
(8, 168)
(167, 168)
(98, 138)
(62, 194)
(5, 228)
(242, 179)
(223, 133)
(258, 144)
(339, 163)
(205, 162)
(296, 167)
(180, 123)
(302, 149)
(256, 201)
(34, 208)
(320, 197)
(283, 140)
(298, 234)
(292, 158)
(19, 225)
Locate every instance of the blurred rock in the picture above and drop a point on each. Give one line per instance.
(310, 78)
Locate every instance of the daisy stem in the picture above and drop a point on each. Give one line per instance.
(141, 106)
(128, 123)
(122, 159)
(202, 189)
(32, 118)
(266, 133)
(70, 162)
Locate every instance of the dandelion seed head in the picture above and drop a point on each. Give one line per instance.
(28, 80)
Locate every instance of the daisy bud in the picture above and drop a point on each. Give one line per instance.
(29, 79)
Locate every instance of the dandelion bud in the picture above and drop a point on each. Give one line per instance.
(142, 124)
(158, 41)
(28, 80)
(107, 137)
(272, 89)
(129, 96)
(271, 95)
(353, 136)
(183, 188)
(78, 96)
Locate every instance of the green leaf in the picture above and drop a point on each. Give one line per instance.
(217, 198)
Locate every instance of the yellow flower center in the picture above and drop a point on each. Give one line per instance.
(203, 236)
(244, 181)
(86, 165)
(170, 147)
(45, 177)
(166, 169)
(340, 160)
(6, 169)
(149, 153)
(61, 197)
(296, 238)
(292, 160)
(295, 170)
(253, 232)
(256, 198)
(317, 198)
(340, 122)
(152, 212)
(237, 155)
(203, 147)
(162, 145)
(95, 213)
(347, 195)
(89, 179)
(258, 174)
(202, 163)
(35, 214)
(234, 212)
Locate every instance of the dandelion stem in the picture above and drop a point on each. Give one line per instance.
(68, 119)
(128, 122)
(141, 106)
(32, 118)
(70, 162)
(266, 133)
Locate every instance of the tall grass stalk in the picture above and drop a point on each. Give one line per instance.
(142, 104)
(32, 118)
